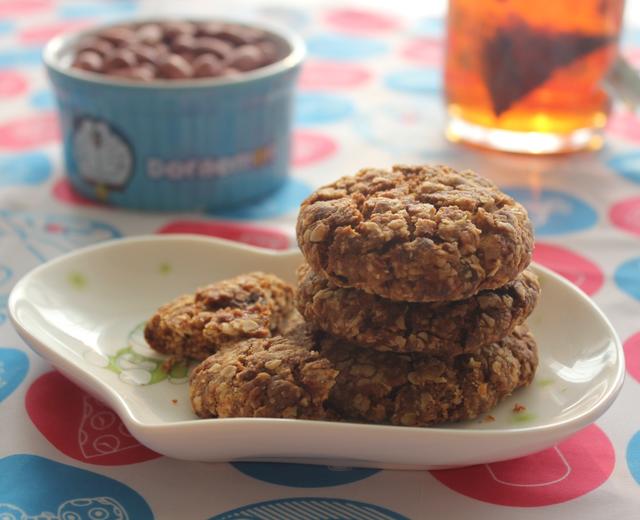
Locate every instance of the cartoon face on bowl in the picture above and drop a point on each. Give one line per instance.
(103, 157)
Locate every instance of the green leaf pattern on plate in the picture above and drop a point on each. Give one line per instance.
(134, 366)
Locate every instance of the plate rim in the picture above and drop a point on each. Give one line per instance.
(114, 399)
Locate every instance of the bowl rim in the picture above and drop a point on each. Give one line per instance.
(52, 51)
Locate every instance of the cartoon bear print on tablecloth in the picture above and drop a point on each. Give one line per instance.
(79, 425)
(569, 470)
(36, 488)
(310, 507)
(34, 238)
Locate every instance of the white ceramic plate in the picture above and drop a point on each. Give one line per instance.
(84, 311)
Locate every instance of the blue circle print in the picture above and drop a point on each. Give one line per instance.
(4, 300)
(344, 48)
(555, 212)
(42, 99)
(633, 456)
(630, 37)
(302, 475)
(71, 10)
(24, 169)
(14, 365)
(32, 486)
(5, 273)
(430, 26)
(310, 508)
(20, 56)
(627, 277)
(285, 200)
(316, 109)
(627, 165)
(6, 27)
(292, 17)
(414, 81)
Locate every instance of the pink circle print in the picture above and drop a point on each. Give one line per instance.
(424, 51)
(29, 132)
(626, 215)
(12, 83)
(327, 75)
(632, 356)
(246, 233)
(569, 470)
(43, 33)
(360, 21)
(576, 268)
(625, 125)
(64, 192)
(311, 147)
(10, 8)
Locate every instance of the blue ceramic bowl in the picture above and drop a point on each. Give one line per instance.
(176, 145)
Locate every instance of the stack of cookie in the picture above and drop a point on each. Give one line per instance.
(418, 279)
(414, 293)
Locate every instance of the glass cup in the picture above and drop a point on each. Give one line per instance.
(527, 75)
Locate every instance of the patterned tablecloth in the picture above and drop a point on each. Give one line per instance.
(369, 95)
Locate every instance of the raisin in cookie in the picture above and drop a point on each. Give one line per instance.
(415, 233)
(254, 305)
(414, 390)
(270, 377)
(435, 328)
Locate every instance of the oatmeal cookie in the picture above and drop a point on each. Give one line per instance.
(415, 233)
(315, 376)
(435, 328)
(254, 305)
(414, 390)
(270, 377)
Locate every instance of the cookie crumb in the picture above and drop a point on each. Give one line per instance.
(174, 401)
(517, 408)
(489, 418)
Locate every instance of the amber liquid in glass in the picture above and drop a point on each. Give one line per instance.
(526, 75)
